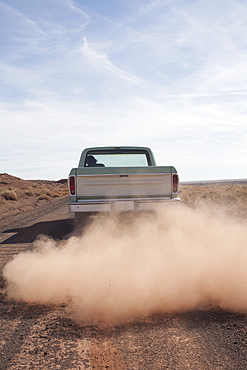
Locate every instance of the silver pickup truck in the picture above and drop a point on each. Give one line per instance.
(117, 179)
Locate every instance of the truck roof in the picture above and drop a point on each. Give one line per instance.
(116, 148)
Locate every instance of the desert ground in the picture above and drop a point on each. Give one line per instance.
(51, 332)
(20, 199)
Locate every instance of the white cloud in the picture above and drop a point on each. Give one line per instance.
(100, 60)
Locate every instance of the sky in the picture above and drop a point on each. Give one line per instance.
(167, 74)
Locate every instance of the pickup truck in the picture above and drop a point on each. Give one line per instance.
(119, 179)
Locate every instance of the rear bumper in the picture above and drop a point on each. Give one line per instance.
(145, 204)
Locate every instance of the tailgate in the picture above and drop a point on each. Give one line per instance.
(133, 182)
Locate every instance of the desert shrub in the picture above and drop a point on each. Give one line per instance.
(43, 197)
(42, 190)
(38, 191)
(55, 195)
(29, 192)
(9, 194)
(64, 191)
(48, 192)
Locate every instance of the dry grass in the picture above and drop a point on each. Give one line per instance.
(9, 194)
(43, 197)
(19, 197)
(231, 198)
(14, 188)
(29, 192)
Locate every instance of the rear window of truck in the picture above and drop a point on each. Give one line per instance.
(117, 158)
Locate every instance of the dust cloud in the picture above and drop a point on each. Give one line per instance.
(121, 270)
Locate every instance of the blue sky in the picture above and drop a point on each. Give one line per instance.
(167, 74)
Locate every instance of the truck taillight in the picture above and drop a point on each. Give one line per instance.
(175, 183)
(72, 185)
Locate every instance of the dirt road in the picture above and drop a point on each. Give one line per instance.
(45, 337)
